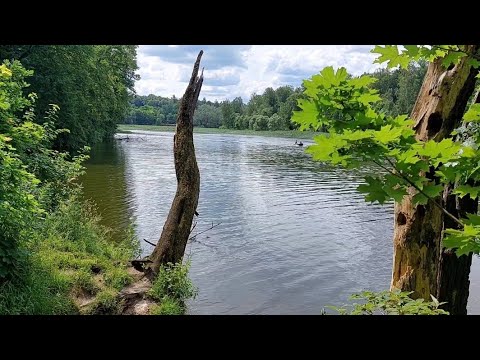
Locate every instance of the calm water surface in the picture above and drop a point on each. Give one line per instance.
(294, 234)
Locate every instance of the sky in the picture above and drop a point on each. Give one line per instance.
(240, 70)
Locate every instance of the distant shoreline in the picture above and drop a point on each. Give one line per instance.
(293, 134)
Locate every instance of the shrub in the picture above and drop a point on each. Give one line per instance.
(390, 303)
(173, 282)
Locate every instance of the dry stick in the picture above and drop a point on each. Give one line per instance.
(148, 242)
(401, 176)
(210, 228)
(193, 227)
(193, 237)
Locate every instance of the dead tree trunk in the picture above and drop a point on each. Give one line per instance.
(453, 278)
(418, 230)
(171, 246)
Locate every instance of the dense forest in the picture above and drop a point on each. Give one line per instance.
(91, 85)
(272, 110)
(55, 101)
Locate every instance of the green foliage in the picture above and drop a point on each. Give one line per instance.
(390, 303)
(360, 133)
(207, 116)
(51, 246)
(473, 114)
(269, 111)
(393, 56)
(173, 281)
(91, 84)
(70, 254)
(168, 306)
(106, 303)
(399, 88)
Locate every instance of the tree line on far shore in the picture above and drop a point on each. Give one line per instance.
(272, 110)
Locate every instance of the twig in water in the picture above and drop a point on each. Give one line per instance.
(201, 232)
(148, 242)
(193, 227)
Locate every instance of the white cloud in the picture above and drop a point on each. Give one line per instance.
(241, 70)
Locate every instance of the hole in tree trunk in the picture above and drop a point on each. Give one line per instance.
(401, 219)
(421, 211)
(434, 124)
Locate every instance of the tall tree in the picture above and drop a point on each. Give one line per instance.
(90, 83)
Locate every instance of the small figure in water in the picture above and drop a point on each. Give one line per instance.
(298, 143)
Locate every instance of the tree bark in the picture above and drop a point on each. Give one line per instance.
(175, 233)
(418, 230)
(453, 278)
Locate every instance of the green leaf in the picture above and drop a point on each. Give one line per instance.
(328, 78)
(362, 81)
(390, 54)
(473, 114)
(368, 98)
(409, 157)
(357, 135)
(473, 219)
(468, 152)
(396, 193)
(430, 191)
(464, 190)
(419, 199)
(374, 190)
(307, 117)
(412, 50)
(386, 134)
(453, 57)
(474, 63)
(326, 146)
(433, 190)
(464, 241)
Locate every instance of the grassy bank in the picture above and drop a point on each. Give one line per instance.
(73, 267)
(294, 134)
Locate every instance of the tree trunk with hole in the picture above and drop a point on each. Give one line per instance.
(175, 233)
(418, 229)
(453, 278)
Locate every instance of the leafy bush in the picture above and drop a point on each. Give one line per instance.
(390, 303)
(70, 254)
(169, 306)
(173, 282)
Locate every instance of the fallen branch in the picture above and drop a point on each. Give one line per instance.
(201, 232)
(148, 242)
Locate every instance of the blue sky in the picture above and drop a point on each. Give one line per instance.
(240, 70)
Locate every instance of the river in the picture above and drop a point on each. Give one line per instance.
(294, 235)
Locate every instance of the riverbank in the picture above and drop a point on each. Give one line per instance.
(75, 268)
(293, 134)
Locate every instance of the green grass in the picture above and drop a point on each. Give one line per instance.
(294, 134)
(171, 289)
(70, 255)
(168, 306)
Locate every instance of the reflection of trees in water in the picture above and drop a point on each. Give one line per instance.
(105, 183)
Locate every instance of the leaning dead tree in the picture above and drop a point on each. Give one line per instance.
(175, 233)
